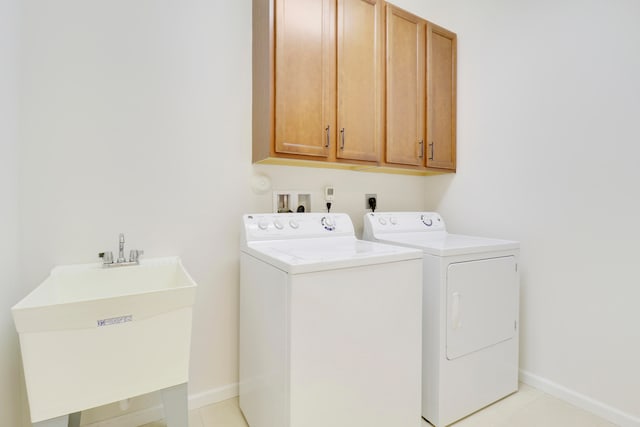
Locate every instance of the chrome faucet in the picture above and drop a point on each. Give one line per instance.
(134, 256)
(121, 249)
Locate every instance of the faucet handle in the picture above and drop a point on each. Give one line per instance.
(107, 257)
(134, 255)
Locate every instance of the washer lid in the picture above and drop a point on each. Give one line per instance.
(319, 254)
(442, 243)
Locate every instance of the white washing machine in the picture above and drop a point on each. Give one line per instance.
(470, 312)
(330, 326)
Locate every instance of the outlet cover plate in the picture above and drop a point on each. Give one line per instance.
(367, 197)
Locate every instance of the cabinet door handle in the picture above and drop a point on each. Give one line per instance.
(342, 139)
(421, 148)
(431, 145)
(327, 129)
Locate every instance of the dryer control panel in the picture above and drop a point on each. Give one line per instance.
(376, 223)
(282, 226)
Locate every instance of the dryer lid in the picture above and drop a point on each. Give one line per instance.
(427, 231)
(446, 244)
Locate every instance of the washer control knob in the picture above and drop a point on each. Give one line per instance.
(426, 220)
(294, 224)
(382, 221)
(393, 220)
(328, 223)
(263, 225)
(277, 224)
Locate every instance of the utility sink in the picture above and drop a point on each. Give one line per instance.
(91, 335)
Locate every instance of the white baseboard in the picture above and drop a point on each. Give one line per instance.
(155, 413)
(603, 410)
(212, 396)
(133, 419)
(229, 391)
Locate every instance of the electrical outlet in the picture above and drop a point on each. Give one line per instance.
(366, 200)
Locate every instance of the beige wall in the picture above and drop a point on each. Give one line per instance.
(11, 408)
(136, 118)
(548, 108)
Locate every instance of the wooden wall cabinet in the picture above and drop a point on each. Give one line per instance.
(352, 83)
(304, 76)
(317, 80)
(441, 98)
(420, 93)
(405, 88)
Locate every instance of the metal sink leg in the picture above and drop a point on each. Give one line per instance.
(176, 408)
(72, 420)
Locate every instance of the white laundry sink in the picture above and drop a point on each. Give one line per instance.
(91, 335)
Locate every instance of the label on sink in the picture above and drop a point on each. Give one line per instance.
(115, 320)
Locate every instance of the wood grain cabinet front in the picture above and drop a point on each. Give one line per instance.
(304, 80)
(405, 88)
(441, 98)
(352, 83)
(420, 93)
(360, 79)
(317, 79)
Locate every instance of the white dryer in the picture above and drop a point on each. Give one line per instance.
(470, 312)
(330, 326)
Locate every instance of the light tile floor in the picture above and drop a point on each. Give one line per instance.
(528, 407)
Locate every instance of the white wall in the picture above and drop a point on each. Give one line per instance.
(136, 118)
(548, 109)
(11, 394)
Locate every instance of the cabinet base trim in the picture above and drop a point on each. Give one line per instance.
(350, 166)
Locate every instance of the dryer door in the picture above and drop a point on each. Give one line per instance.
(482, 304)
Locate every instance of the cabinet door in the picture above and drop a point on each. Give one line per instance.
(359, 79)
(441, 98)
(405, 88)
(305, 77)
